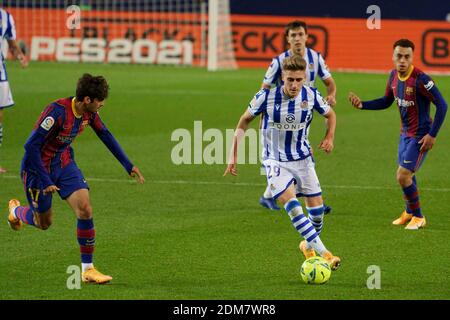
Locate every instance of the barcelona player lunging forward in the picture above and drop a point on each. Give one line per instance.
(48, 166)
(413, 91)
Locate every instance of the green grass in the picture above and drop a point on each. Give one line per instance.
(178, 237)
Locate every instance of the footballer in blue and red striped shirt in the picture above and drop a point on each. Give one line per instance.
(48, 166)
(413, 90)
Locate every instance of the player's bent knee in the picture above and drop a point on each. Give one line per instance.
(43, 221)
(85, 211)
(45, 226)
(404, 179)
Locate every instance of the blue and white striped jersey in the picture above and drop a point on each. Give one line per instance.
(315, 67)
(286, 121)
(7, 32)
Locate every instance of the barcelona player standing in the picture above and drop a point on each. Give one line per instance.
(48, 166)
(413, 90)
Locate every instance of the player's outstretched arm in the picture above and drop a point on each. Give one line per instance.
(242, 126)
(355, 100)
(377, 104)
(136, 173)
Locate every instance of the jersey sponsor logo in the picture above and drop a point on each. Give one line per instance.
(277, 106)
(429, 85)
(287, 126)
(290, 118)
(65, 139)
(48, 123)
(404, 103)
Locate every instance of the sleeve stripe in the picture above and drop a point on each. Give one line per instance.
(321, 74)
(310, 61)
(278, 73)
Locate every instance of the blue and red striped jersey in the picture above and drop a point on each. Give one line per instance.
(413, 101)
(49, 145)
(413, 95)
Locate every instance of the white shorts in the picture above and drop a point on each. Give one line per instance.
(6, 99)
(280, 175)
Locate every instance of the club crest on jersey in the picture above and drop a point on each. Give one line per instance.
(311, 66)
(304, 104)
(47, 123)
(290, 118)
(85, 123)
(409, 91)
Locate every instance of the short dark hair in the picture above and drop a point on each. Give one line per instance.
(295, 25)
(294, 63)
(404, 43)
(92, 87)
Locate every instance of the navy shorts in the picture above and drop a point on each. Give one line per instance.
(409, 155)
(68, 179)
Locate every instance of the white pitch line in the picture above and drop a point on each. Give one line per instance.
(239, 184)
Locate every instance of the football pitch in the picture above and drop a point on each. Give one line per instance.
(189, 232)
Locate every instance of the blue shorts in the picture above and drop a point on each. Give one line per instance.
(68, 179)
(409, 155)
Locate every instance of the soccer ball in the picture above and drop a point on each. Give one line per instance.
(315, 270)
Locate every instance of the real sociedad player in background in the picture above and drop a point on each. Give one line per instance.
(48, 166)
(413, 90)
(288, 112)
(8, 32)
(296, 34)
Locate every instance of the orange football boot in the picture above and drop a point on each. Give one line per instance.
(14, 222)
(308, 253)
(403, 219)
(92, 275)
(416, 223)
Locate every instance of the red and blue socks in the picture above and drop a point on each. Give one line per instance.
(86, 240)
(25, 214)
(411, 196)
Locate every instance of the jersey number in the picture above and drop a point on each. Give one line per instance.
(275, 170)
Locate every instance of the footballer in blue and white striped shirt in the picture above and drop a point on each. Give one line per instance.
(8, 33)
(296, 34)
(287, 112)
